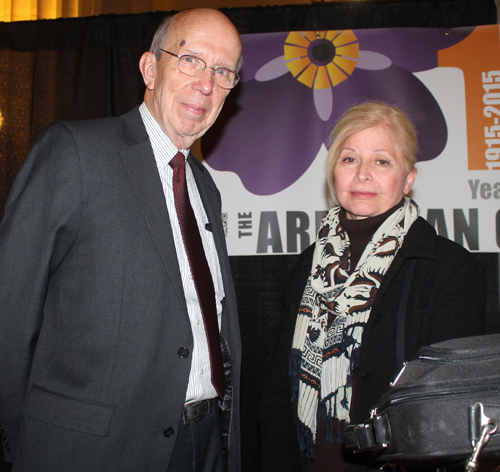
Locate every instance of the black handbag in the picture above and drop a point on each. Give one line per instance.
(443, 406)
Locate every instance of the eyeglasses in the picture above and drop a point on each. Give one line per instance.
(193, 66)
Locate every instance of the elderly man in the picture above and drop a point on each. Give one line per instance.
(118, 325)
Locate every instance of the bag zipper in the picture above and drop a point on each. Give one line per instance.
(431, 395)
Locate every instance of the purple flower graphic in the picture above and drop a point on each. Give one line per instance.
(295, 86)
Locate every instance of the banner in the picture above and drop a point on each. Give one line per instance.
(267, 150)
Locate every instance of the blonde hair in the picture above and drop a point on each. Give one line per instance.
(367, 115)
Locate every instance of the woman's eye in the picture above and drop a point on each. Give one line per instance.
(383, 162)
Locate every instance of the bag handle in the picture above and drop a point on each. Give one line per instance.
(371, 436)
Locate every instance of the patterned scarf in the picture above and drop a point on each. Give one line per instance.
(322, 358)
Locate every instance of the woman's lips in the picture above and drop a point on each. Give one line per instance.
(358, 194)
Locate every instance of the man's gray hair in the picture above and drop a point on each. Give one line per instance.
(159, 37)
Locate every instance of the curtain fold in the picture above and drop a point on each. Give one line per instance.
(24, 10)
(79, 68)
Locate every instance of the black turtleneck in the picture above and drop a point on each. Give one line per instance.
(360, 232)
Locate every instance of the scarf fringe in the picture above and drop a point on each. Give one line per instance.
(306, 441)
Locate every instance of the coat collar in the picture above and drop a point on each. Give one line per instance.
(140, 164)
(419, 243)
(212, 203)
(132, 128)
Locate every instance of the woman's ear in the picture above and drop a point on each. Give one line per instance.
(409, 181)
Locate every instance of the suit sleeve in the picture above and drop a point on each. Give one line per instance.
(38, 228)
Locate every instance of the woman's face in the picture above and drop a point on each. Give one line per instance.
(370, 174)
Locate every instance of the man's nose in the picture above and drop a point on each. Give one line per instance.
(205, 81)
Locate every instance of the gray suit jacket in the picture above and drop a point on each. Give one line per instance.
(92, 309)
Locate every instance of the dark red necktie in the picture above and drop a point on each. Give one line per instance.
(199, 269)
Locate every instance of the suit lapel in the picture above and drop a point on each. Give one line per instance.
(209, 197)
(140, 165)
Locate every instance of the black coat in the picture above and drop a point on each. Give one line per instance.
(447, 300)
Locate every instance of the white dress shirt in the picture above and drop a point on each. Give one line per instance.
(200, 384)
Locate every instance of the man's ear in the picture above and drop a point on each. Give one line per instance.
(147, 66)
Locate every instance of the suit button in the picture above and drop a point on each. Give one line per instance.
(366, 377)
(183, 352)
(169, 432)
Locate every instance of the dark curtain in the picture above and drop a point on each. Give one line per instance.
(83, 68)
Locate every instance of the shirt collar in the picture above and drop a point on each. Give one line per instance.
(163, 148)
